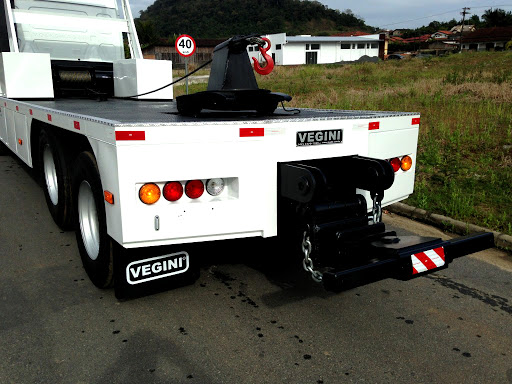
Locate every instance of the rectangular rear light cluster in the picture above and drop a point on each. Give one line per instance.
(214, 189)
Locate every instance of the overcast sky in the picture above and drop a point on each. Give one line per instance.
(394, 14)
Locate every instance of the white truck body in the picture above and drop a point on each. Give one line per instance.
(321, 173)
(166, 147)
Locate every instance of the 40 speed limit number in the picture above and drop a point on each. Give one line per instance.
(185, 45)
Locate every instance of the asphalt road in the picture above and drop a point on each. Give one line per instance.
(244, 320)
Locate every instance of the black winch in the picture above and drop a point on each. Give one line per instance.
(232, 85)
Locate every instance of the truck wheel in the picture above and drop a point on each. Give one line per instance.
(3, 149)
(95, 246)
(54, 167)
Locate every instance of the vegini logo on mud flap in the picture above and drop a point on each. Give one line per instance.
(328, 136)
(141, 271)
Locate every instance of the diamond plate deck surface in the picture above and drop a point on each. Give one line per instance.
(131, 112)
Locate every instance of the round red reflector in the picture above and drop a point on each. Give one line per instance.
(173, 191)
(395, 163)
(194, 189)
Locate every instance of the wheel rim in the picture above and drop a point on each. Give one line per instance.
(50, 175)
(88, 219)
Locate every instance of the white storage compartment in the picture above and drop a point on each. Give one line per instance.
(25, 75)
(136, 76)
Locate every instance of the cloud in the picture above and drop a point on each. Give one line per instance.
(139, 5)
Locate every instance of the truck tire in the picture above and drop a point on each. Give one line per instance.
(55, 175)
(94, 244)
(3, 149)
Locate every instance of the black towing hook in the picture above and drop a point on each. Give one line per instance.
(399, 258)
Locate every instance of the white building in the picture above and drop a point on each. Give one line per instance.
(296, 50)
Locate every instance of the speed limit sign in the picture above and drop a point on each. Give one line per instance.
(185, 45)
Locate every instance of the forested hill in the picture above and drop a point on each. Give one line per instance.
(225, 18)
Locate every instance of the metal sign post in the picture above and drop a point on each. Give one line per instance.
(186, 74)
(185, 46)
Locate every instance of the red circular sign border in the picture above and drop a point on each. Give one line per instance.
(176, 45)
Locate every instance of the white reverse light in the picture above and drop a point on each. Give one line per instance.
(215, 186)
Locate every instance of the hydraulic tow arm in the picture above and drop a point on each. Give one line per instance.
(343, 245)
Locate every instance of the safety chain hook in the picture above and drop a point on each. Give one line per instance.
(307, 263)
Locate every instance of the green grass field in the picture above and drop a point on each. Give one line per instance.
(464, 165)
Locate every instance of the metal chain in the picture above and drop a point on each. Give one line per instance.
(307, 263)
(377, 209)
(256, 40)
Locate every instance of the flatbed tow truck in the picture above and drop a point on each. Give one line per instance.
(140, 176)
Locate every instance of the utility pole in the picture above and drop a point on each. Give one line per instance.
(463, 13)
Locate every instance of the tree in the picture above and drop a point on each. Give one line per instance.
(497, 18)
(475, 20)
(146, 32)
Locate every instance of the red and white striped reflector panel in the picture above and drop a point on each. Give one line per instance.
(425, 261)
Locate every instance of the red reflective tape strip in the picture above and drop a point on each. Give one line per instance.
(17, 108)
(414, 271)
(416, 121)
(250, 132)
(31, 112)
(374, 125)
(440, 252)
(425, 260)
(49, 117)
(76, 124)
(130, 135)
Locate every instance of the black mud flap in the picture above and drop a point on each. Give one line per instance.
(406, 257)
(145, 271)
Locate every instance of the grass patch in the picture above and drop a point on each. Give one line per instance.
(464, 165)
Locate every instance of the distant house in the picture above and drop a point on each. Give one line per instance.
(487, 39)
(442, 35)
(443, 46)
(465, 28)
(307, 49)
(398, 32)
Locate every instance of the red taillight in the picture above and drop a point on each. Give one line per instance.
(395, 163)
(173, 191)
(194, 189)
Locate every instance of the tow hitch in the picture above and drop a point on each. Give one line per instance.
(343, 245)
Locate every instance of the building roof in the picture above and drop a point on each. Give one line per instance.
(489, 34)
(350, 34)
(330, 39)
(419, 39)
(466, 28)
(396, 39)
